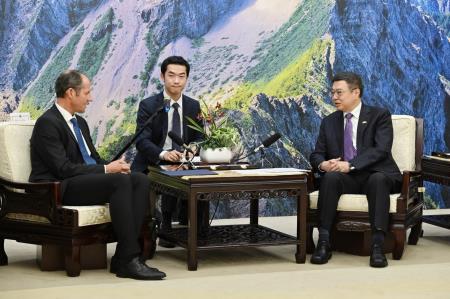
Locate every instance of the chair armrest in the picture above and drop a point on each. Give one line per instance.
(310, 181)
(42, 199)
(411, 189)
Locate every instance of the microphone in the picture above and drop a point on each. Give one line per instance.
(164, 107)
(178, 140)
(268, 142)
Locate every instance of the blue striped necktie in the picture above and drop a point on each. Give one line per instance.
(87, 159)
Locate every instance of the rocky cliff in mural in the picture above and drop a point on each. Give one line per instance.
(269, 64)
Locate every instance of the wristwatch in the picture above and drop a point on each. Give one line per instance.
(351, 167)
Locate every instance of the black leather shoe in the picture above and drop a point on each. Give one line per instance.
(115, 264)
(165, 229)
(137, 270)
(165, 243)
(377, 257)
(322, 253)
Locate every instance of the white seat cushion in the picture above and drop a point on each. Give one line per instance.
(15, 165)
(353, 202)
(87, 215)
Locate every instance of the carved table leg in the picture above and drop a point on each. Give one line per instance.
(192, 232)
(254, 210)
(3, 255)
(300, 255)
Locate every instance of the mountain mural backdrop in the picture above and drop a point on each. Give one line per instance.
(268, 62)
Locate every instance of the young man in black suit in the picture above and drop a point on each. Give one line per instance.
(62, 150)
(353, 155)
(154, 146)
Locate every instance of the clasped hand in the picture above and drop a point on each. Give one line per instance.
(118, 166)
(335, 165)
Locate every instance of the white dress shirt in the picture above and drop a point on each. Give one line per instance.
(168, 142)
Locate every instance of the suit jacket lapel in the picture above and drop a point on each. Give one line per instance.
(185, 121)
(339, 133)
(165, 118)
(58, 114)
(362, 125)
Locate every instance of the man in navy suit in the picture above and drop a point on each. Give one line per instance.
(62, 150)
(154, 146)
(353, 155)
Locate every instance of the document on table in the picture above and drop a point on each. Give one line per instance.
(263, 171)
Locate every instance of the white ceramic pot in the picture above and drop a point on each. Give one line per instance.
(217, 155)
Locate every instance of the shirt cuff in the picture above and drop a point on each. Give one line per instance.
(161, 155)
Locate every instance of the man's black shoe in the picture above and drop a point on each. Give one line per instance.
(137, 270)
(115, 264)
(377, 257)
(322, 253)
(165, 243)
(165, 229)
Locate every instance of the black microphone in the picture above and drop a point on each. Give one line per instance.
(268, 142)
(164, 107)
(178, 140)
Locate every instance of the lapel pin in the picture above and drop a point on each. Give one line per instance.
(364, 122)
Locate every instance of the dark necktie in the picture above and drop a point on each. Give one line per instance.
(176, 125)
(349, 149)
(87, 159)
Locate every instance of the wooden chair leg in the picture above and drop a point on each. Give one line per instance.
(3, 256)
(399, 243)
(415, 233)
(309, 240)
(72, 260)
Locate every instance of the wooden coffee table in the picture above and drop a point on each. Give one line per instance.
(232, 185)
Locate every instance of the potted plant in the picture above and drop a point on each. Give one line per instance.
(219, 135)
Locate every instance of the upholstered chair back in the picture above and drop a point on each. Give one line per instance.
(15, 163)
(404, 146)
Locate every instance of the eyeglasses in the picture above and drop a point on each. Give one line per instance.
(340, 92)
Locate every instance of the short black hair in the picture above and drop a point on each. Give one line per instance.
(352, 79)
(175, 60)
(68, 79)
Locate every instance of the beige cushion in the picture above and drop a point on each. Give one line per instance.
(87, 215)
(353, 202)
(404, 145)
(404, 154)
(15, 165)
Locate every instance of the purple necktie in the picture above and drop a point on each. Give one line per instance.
(349, 149)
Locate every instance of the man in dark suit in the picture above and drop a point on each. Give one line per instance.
(353, 155)
(62, 150)
(154, 146)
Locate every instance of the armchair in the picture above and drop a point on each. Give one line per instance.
(68, 237)
(351, 232)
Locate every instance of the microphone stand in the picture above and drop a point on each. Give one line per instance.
(136, 135)
(262, 156)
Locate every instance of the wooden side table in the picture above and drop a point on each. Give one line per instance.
(436, 170)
